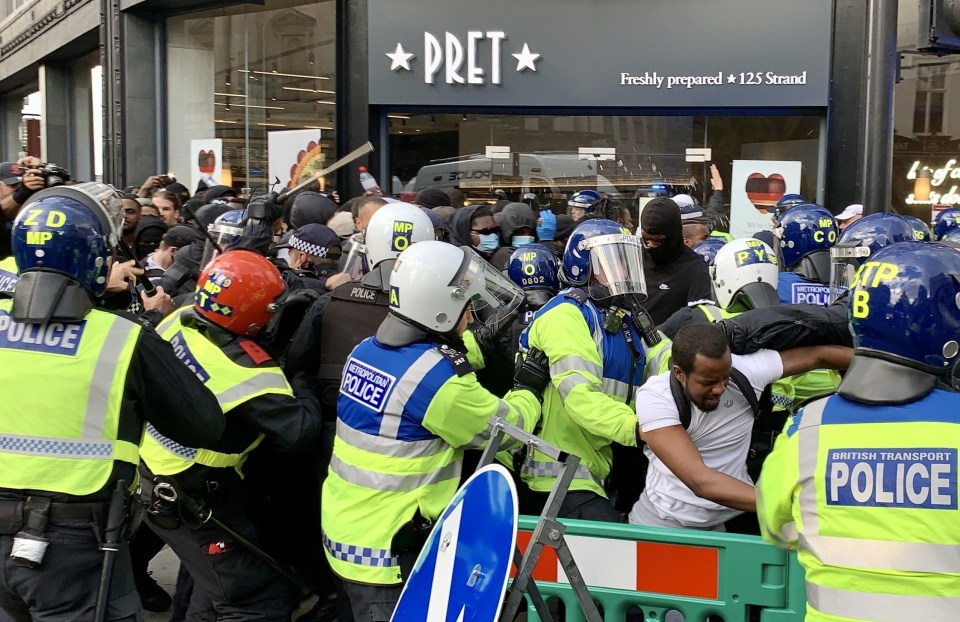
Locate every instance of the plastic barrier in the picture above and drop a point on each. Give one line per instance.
(649, 571)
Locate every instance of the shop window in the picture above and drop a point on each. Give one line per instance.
(631, 159)
(253, 76)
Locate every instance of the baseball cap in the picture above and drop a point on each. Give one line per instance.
(314, 239)
(11, 173)
(342, 224)
(850, 211)
(180, 236)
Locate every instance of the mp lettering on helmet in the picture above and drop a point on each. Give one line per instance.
(366, 385)
(914, 478)
(753, 254)
(186, 356)
(870, 274)
(825, 231)
(51, 338)
(394, 297)
(402, 234)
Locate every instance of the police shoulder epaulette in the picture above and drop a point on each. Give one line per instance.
(459, 360)
(580, 295)
(143, 320)
(257, 354)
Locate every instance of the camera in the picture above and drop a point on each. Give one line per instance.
(54, 175)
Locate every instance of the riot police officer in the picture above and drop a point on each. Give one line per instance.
(79, 383)
(409, 403)
(863, 482)
(237, 295)
(804, 238)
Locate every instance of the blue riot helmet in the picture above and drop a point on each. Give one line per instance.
(534, 268)
(606, 259)
(64, 239)
(952, 238)
(905, 309)
(806, 233)
(585, 201)
(225, 231)
(860, 241)
(708, 248)
(921, 232)
(786, 202)
(945, 221)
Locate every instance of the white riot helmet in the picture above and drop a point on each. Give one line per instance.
(393, 228)
(745, 269)
(433, 283)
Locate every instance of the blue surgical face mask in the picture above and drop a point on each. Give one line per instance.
(488, 242)
(522, 240)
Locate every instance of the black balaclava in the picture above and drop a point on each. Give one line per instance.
(661, 216)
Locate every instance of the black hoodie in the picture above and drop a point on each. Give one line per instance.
(676, 276)
(459, 226)
(514, 216)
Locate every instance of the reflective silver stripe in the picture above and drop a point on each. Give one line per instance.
(261, 382)
(503, 410)
(615, 388)
(809, 449)
(181, 451)
(713, 314)
(573, 362)
(389, 482)
(362, 555)
(390, 447)
(884, 554)
(536, 468)
(881, 607)
(573, 380)
(55, 447)
(101, 384)
(406, 385)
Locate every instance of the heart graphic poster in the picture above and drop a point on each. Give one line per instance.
(293, 155)
(206, 161)
(755, 188)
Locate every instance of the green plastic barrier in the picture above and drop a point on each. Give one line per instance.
(698, 574)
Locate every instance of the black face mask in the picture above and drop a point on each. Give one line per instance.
(662, 217)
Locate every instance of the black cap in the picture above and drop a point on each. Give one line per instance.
(432, 197)
(180, 236)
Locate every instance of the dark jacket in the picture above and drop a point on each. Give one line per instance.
(789, 326)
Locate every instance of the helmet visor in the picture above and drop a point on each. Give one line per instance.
(356, 262)
(108, 198)
(484, 285)
(616, 266)
(844, 262)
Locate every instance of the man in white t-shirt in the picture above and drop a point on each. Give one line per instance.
(698, 476)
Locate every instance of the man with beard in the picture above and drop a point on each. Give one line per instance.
(697, 477)
(676, 276)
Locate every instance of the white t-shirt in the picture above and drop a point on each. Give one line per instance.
(722, 436)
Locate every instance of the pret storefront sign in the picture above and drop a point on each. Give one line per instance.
(587, 53)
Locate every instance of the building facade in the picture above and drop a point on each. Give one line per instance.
(539, 96)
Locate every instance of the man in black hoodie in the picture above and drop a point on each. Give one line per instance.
(676, 276)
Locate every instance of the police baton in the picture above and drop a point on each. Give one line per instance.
(362, 150)
(142, 279)
(111, 546)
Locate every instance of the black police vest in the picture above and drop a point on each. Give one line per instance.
(354, 313)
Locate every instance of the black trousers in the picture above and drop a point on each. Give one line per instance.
(64, 587)
(230, 582)
(369, 603)
(578, 504)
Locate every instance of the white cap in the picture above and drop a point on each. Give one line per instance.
(850, 211)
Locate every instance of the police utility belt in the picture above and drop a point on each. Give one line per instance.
(26, 519)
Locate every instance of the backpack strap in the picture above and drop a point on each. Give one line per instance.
(759, 405)
(680, 399)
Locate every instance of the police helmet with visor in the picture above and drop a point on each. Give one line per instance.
(859, 242)
(224, 232)
(745, 271)
(606, 259)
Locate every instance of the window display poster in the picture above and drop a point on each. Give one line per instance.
(755, 188)
(206, 162)
(293, 155)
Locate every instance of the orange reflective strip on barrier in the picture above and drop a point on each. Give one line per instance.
(548, 566)
(659, 568)
(678, 570)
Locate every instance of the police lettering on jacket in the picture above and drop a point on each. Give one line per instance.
(366, 385)
(52, 337)
(186, 356)
(891, 477)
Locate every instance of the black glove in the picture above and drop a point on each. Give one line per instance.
(490, 333)
(533, 374)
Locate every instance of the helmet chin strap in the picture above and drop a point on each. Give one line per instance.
(42, 296)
